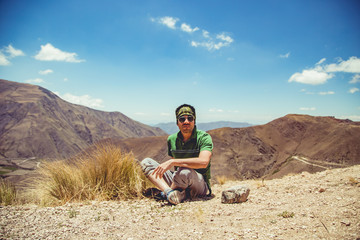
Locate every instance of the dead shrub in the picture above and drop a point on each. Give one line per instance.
(103, 173)
(8, 193)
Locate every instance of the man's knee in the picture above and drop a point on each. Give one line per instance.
(148, 165)
(182, 177)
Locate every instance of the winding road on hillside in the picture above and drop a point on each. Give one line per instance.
(327, 165)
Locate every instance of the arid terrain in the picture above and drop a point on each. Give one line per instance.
(37, 125)
(303, 173)
(291, 144)
(324, 205)
(34, 122)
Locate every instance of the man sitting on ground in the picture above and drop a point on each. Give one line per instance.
(190, 151)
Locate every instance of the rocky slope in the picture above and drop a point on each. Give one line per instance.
(325, 205)
(293, 143)
(37, 123)
(268, 150)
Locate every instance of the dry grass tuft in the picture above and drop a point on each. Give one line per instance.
(8, 194)
(221, 179)
(104, 173)
(260, 184)
(353, 181)
(286, 214)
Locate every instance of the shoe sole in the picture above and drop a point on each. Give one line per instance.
(176, 197)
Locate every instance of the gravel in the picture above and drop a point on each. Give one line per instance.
(325, 205)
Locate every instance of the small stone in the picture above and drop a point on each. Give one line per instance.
(346, 222)
(235, 194)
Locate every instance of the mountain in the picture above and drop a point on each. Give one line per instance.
(291, 144)
(37, 123)
(171, 127)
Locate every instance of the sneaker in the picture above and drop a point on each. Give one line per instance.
(175, 196)
(155, 193)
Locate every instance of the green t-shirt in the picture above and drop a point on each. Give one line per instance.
(198, 142)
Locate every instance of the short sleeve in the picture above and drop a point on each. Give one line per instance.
(206, 143)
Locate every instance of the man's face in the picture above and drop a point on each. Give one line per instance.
(187, 126)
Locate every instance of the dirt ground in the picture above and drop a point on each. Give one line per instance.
(324, 205)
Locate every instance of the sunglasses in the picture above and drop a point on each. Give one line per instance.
(189, 118)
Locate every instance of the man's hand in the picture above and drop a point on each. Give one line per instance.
(162, 168)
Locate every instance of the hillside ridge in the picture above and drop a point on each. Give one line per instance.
(37, 123)
(268, 150)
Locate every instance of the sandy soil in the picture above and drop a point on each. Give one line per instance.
(325, 205)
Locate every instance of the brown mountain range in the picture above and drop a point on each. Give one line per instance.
(35, 122)
(291, 144)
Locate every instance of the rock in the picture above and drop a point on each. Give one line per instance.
(235, 194)
(346, 222)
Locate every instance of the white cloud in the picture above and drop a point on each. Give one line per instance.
(3, 60)
(85, 100)
(66, 79)
(307, 108)
(355, 79)
(327, 93)
(208, 43)
(170, 22)
(49, 53)
(202, 39)
(187, 28)
(321, 73)
(36, 80)
(353, 90)
(224, 38)
(321, 61)
(287, 55)
(311, 76)
(45, 72)
(205, 34)
(195, 44)
(351, 66)
(215, 110)
(13, 52)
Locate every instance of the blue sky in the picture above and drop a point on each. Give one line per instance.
(246, 61)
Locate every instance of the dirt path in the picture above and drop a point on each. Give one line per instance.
(325, 205)
(306, 161)
(320, 164)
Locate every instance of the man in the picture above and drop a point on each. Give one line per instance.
(190, 151)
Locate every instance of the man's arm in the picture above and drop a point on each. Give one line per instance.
(200, 162)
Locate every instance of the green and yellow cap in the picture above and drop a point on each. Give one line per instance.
(185, 111)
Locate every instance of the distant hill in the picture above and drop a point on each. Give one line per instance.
(35, 122)
(291, 144)
(268, 150)
(171, 127)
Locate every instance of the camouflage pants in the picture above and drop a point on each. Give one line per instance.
(184, 178)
